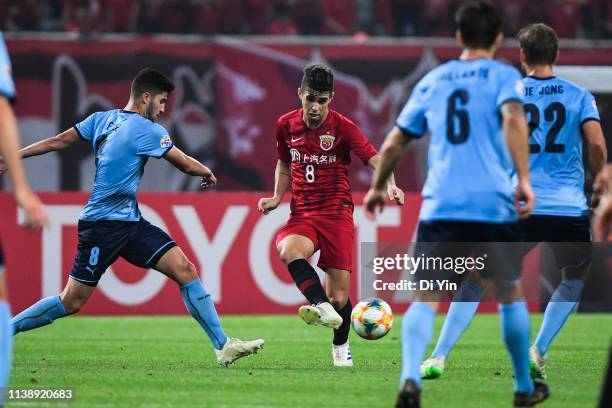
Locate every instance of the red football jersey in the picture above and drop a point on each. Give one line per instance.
(320, 159)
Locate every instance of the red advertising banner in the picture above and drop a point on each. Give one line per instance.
(223, 234)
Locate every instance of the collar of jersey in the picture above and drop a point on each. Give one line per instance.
(127, 111)
(542, 79)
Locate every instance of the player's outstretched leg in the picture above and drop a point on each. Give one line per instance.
(560, 307)
(460, 315)
(47, 310)
(201, 307)
(417, 327)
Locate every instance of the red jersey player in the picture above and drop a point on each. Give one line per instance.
(314, 145)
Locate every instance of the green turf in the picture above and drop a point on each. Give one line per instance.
(167, 361)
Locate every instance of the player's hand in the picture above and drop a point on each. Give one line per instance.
(595, 200)
(3, 166)
(208, 180)
(524, 199)
(265, 205)
(396, 193)
(35, 214)
(602, 221)
(601, 186)
(374, 199)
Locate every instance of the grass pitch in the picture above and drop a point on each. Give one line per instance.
(168, 361)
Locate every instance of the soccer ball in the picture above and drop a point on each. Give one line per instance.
(372, 318)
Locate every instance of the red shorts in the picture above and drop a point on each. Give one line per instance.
(333, 236)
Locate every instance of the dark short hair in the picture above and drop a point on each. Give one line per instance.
(479, 23)
(152, 81)
(318, 77)
(540, 44)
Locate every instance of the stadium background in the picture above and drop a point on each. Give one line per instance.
(230, 90)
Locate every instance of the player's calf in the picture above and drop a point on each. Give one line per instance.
(341, 334)
(307, 281)
(40, 314)
(200, 306)
(341, 352)
(46, 311)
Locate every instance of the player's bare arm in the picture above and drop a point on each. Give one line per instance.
(390, 155)
(191, 166)
(59, 142)
(598, 154)
(394, 192)
(35, 215)
(282, 180)
(515, 129)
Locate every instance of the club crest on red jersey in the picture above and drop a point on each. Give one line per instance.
(327, 141)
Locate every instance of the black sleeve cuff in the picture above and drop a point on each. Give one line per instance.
(589, 119)
(408, 133)
(11, 98)
(79, 132)
(166, 152)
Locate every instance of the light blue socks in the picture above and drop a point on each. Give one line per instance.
(515, 330)
(41, 313)
(561, 305)
(460, 315)
(201, 307)
(6, 347)
(417, 328)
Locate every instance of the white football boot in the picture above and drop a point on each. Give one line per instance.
(322, 314)
(236, 348)
(433, 367)
(537, 363)
(342, 355)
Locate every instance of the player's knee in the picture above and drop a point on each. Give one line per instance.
(185, 271)
(289, 254)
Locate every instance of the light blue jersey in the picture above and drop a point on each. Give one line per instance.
(469, 162)
(7, 86)
(556, 110)
(122, 142)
